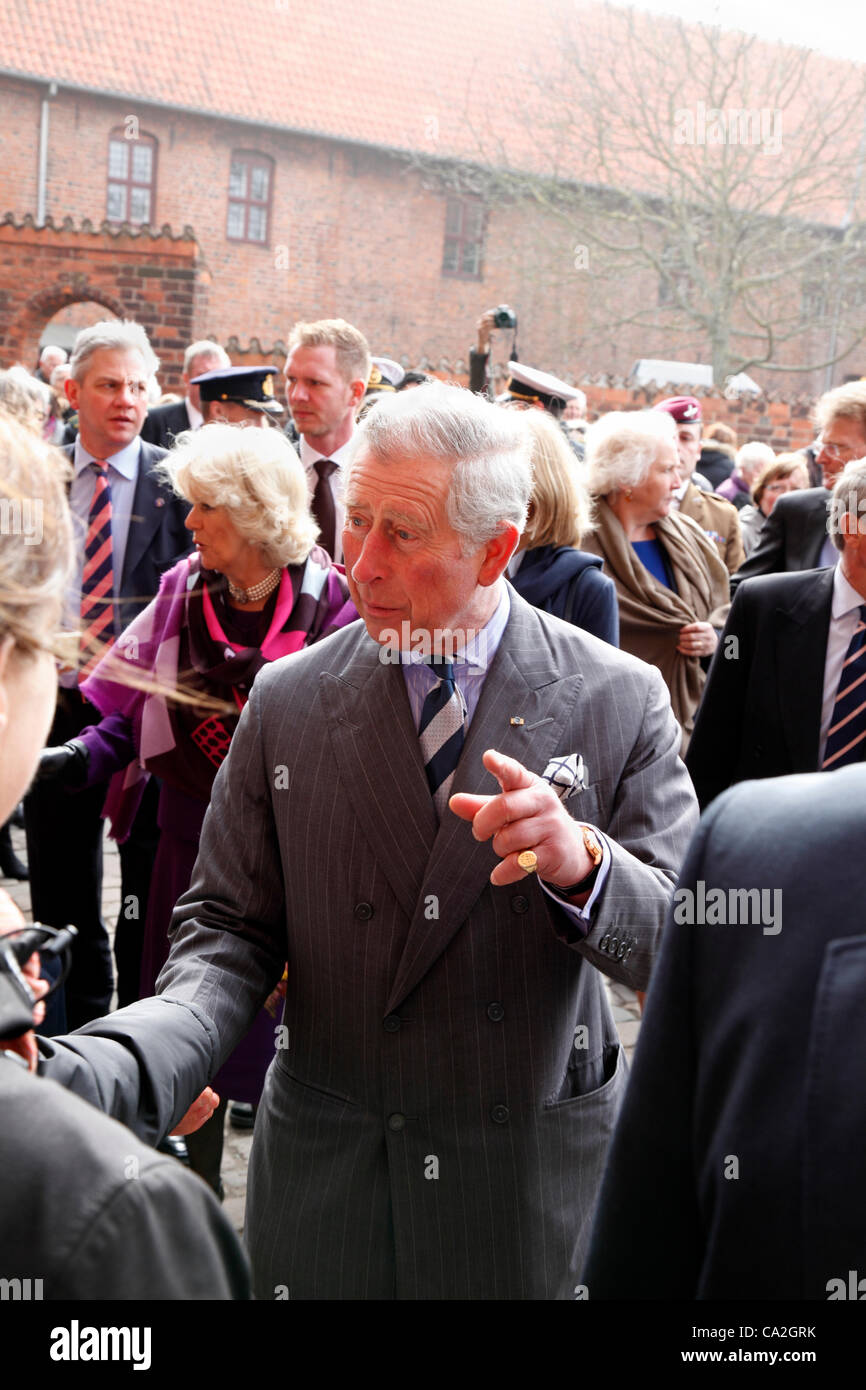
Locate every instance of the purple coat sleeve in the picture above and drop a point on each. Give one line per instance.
(111, 745)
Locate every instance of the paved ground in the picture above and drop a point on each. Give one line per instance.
(237, 1144)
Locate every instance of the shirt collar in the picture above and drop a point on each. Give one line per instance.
(845, 596)
(309, 454)
(125, 462)
(481, 648)
(195, 417)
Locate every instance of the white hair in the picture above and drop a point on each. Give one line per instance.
(849, 496)
(622, 446)
(205, 348)
(486, 447)
(114, 335)
(754, 456)
(259, 479)
(53, 348)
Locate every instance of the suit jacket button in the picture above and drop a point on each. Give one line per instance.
(364, 911)
(495, 1012)
(605, 942)
(392, 1024)
(499, 1114)
(396, 1123)
(519, 903)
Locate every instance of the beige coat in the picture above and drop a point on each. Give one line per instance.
(650, 614)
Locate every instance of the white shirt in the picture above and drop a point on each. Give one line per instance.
(844, 613)
(195, 417)
(309, 457)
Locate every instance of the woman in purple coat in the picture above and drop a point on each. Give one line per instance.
(172, 688)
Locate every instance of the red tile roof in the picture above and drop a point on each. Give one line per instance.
(395, 73)
(465, 78)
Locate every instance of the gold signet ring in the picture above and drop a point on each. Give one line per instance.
(528, 861)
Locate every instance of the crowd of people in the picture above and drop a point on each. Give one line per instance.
(401, 704)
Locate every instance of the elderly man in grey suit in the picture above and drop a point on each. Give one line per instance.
(447, 1072)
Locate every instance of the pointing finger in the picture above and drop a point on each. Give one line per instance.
(509, 773)
(466, 805)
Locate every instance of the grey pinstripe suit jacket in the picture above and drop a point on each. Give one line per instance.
(436, 1126)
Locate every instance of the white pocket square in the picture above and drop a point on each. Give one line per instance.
(567, 775)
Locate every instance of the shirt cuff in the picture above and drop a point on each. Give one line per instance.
(582, 914)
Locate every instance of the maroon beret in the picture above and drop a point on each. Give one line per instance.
(684, 409)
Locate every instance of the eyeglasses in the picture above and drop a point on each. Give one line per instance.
(842, 453)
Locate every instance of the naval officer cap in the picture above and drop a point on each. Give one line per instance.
(539, 388)
(385, 374)
(249, 386)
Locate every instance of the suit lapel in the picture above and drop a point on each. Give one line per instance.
(522, 683)
(379, 761)
(801, 650)
(813, 532)
(148, 504)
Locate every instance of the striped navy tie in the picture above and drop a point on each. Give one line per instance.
(97, 581)
(847, 732)
(441, 732)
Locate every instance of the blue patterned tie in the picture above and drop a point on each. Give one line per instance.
(847, 732)
(441, 732)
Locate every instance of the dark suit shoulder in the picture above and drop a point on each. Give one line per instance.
(171, 411)
(151, 454)
(784, 589)
(775, 811)
(84, 1193)
(163, 422)
(804, 502)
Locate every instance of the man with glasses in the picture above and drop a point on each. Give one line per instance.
(795, 533)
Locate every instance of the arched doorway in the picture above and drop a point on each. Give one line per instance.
(151, 278)
(63, 327)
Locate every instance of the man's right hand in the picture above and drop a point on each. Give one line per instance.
(66, 763)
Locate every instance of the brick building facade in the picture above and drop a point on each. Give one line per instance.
(306, 193)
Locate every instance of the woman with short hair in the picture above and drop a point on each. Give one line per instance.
(671, 585)
(786, 473)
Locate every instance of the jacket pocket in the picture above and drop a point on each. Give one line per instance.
(591, 1080)
(310, 1086)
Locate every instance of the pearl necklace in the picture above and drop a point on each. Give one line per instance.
(257, 591)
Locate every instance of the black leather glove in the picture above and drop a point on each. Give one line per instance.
(66, 763)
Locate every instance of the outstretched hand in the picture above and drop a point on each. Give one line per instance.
(525, 814)
(199, 1112)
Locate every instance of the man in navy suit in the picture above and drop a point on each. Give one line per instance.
(111, 364)
(164, 423)
(769, 701)
(736, 1169)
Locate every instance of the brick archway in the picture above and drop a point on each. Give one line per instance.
(152, 278)
(46, 303)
